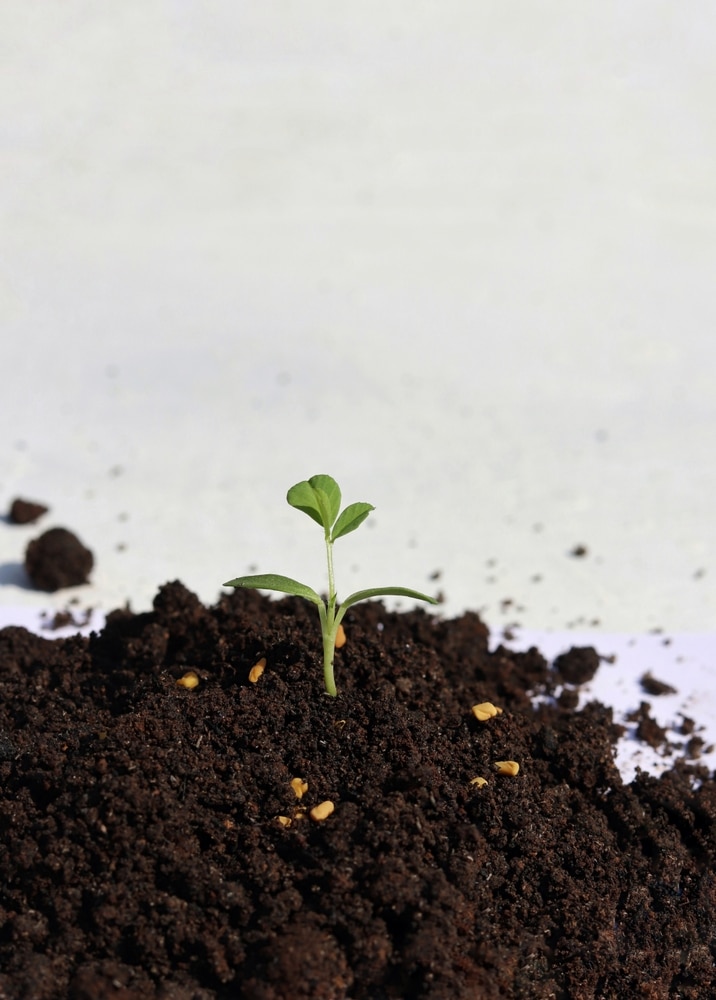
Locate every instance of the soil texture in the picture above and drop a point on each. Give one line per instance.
(162, 840)
(58, 559)
(25, 511)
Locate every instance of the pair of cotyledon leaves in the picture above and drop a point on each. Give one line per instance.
(320, 498)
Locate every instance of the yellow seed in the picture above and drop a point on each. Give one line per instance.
(480, 782)
(340, 637)
(510, 767)
(284, 820)
(189, 680)
(299, 786)
(485, 710)
(322, 811)
(257, 670)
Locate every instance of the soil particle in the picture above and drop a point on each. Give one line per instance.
(656, 687)
(648, 729)
(26, 511)
(568, 698)
(144, 857)
(65, 617)
(578, 665)
(58, 559)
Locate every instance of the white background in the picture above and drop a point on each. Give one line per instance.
(461, 256)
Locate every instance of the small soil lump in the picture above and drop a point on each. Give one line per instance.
(25, 511)
(58, 559)
(578, 665)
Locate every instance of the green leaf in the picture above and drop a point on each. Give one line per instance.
(302, 496)
(319, 497)
(329, 494)
(352, 517)
(366, 595)
(273, 581)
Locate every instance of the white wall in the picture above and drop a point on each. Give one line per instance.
(459, 255)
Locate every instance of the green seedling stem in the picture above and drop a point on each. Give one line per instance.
(320, 498)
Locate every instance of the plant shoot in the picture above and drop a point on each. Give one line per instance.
(320, 498)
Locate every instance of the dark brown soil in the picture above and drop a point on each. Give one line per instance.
(58, 559)
(656, 687)
(577, 666)
(144, 856)
(26, 511)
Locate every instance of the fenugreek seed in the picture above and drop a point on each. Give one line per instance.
(189, 680)
(299, 786)
(510, 767)
(322, 811)
(480, 782)
(340, 637)
(257, 670)
(485, 710)
(284, 820)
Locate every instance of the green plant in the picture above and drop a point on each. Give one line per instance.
(320, 498)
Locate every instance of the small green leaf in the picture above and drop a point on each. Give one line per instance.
(366, 595)
(319, 497)
(329, 494)
(352, 517)
(273, 581)
(303, 497)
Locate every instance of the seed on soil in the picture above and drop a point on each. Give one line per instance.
(340, 637)
(257, 670)
(189, 680)
(322, 811)
(510, 767)
(485, 710)
(284, 820)
(299, 786)
(479, 782)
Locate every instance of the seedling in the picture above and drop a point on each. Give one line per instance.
(320, 498)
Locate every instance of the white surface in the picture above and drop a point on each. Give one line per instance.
(459, 256)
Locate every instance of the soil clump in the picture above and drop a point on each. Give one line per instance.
(58, 559)
(157, 845)
(26, 511)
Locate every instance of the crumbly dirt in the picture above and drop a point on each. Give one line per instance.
(578, 665)
(58, 559)
(655, 687)
(25, 511)
(144, 856)
(65, 617)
